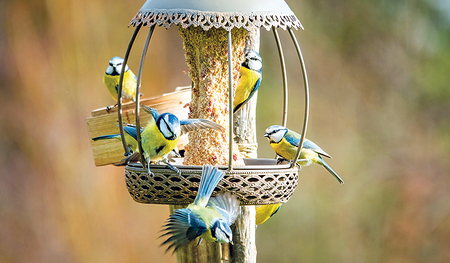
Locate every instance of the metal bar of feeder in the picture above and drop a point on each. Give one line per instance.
(138, 88)
(119, 90)
(284, 75)
(305, 82)
(230, 102)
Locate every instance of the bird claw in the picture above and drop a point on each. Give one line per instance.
(108, 108)
(173, 168)
(280, 160)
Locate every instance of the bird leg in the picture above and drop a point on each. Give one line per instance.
(170, 166)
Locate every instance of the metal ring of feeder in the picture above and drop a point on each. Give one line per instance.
(255, 185)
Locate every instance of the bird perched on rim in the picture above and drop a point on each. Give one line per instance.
(264, 212)
(285, 144)
(249, 80)
(207, 218)
(112, 77)
(162, 133)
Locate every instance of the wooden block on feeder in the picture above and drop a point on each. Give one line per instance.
(103, 122)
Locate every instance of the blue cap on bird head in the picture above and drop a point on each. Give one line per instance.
(169, 125)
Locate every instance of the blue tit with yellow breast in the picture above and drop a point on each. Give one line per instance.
(207, 218)
(112, 77)
(264, 212)
(249, 81)
(285, 144)
(161, 134)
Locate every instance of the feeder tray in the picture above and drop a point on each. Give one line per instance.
(262, 182)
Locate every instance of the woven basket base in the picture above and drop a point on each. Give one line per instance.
(268, 184)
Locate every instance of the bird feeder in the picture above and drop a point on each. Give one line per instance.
(261, 181)
(206, 26)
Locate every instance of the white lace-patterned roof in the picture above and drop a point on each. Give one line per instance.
(225, 14)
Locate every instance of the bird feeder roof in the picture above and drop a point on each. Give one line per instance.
(226, 14)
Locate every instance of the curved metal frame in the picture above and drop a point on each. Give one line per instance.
(138, 92)
(230, 92)
(284, 75)
(306, 86)
(119, 90)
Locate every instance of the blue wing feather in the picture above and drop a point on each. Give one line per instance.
(183, 226)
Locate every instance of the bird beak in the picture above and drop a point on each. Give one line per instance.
(231, 242)
(266, 135)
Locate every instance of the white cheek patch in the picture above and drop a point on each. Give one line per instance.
(164, 128)
(256, 65)
(276, 137)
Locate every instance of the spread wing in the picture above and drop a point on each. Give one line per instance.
(194, 124)
(182, 227)
(228, 206)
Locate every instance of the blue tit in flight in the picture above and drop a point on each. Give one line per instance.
(207, 218)
(111, 80)
(249, 80)
(264, 212)
(285, 144)
(162, 133)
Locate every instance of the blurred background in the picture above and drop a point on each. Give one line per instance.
(380, 105)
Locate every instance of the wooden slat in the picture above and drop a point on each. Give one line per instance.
(104, 123)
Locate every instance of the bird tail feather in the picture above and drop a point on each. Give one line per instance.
(111, 136)
(324, 164)
(211, 176)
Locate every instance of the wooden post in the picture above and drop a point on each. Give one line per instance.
(207, 57)
(244, 248)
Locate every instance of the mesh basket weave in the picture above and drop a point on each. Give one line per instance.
(252, 187)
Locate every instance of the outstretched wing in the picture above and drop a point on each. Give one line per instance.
(183, 226)
(228, 206)
(194, 124)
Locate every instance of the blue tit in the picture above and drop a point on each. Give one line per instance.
(111, 80)
(264, 212)
(162, 133)
(285, 144)
(207, 218)
(249, 80)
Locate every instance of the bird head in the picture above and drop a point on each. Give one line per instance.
(115, 66)
(253, 61)
(275, 133)
(221, 232)
(169, 125)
